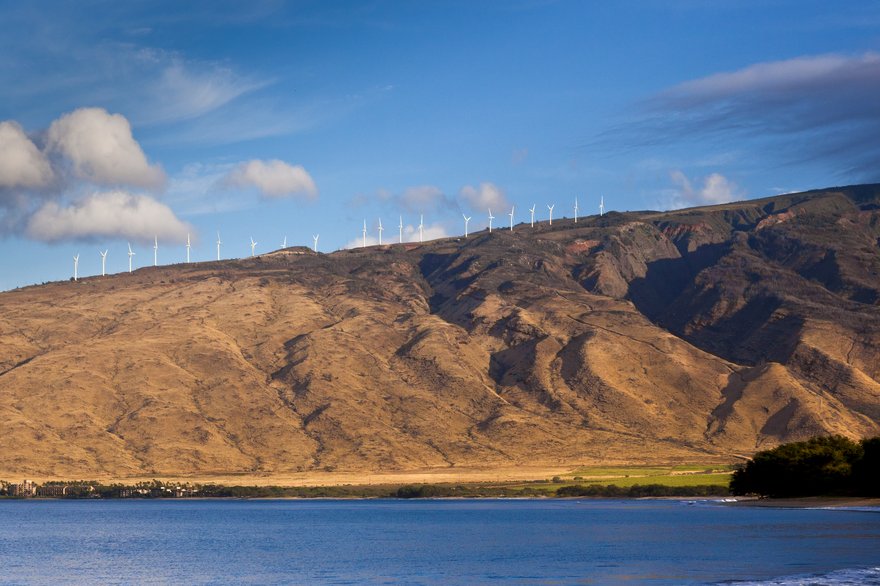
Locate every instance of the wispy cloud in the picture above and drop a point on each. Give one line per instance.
(416, 199)
(422, 198)
(427, 198)
(812, 108)
(182, 90)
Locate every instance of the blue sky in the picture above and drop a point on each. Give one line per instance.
(121, 121)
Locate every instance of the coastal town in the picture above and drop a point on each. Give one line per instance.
(78, 489)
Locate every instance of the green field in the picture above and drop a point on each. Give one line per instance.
(618, 471)
(627, 476)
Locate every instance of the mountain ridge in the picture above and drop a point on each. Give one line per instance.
(702, 334)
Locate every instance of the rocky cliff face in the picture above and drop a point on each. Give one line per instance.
(694, 335)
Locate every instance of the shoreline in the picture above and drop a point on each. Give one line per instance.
(851, 504)
(808, 502)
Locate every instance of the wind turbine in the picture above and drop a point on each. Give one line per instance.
(532, 209)
(155, 250)
(466, 220)
(187, 247)
(104, 262)
(253, 245)
(400, 228)
(380, 231)
(131, 253)
(491, 217)
(75, 266)
(551, 213)
(511, 217)
(365, 234)
(284, 244)
(602, 206)
(315, 238)
(421, 227)
(575, 209)
(218, 245)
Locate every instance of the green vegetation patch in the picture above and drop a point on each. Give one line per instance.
(822, 466)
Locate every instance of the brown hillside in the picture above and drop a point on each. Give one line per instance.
(695, 335)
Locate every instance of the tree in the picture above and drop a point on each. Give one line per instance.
(819, 466)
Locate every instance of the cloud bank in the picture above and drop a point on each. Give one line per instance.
(809, 109)
(273, 179)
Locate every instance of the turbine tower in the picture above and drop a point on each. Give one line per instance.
(551, 213)
(491, 217)
(400, 228)
(365, 234)
(253, 245)
(380, 231)
(511, 217)
(602, 206)
(103, 262)
(155, 251)
(284, 244)
(575, 209)
(130, 254)
(218, 245)
(75, 266)
(532, 209)
(421, 227)
(315, 238)
(466, 220)
(187, 247)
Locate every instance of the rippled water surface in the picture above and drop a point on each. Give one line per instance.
(433, 542)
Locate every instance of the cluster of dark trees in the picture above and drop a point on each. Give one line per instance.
(822, 466)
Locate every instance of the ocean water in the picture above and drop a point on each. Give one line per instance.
(433, 542)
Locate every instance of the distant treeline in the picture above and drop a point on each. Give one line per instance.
(157, 489)
(822, 466)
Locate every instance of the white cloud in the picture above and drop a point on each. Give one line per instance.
(716, 189)
(112, 214)
(272, 178)
(486, 196)
(21, 162)
(102, 150)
